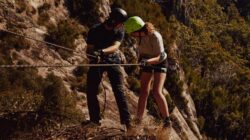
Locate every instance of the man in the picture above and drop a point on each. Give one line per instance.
(103, 41)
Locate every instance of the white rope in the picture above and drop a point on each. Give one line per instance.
(70, 65)
(62, 47)
(45, 42)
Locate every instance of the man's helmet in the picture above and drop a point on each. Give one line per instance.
(117, 16)
(133, 24)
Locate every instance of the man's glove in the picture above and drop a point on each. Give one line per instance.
(144, 63)
(99, 55)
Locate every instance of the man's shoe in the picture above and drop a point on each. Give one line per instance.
(89, 123)
(130, 129)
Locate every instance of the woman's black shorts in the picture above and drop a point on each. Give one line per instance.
(161, 67)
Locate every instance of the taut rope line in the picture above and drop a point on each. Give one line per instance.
(62, 47)
(45, 42)
(70, 65)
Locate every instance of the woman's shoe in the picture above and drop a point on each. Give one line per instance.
(167, 123)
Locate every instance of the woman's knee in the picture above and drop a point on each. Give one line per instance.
(157, 95)
(144, 90)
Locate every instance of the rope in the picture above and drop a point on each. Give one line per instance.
(79, 65)
(62, 47)
(45, 42)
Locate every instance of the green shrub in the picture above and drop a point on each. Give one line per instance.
(19, 100)
(134, 84)
(21, 6)
(43, 19)
(20, 97)
(13, 42)
(79, 83)
(44, 8)
(150, 12)
(175, 87)
(201, 122)
(87, 11)
(65, 34)
(59, 104)
(21, 77)
(29, 102)
(20, 89)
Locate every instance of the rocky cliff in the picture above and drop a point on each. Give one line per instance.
(34, 18)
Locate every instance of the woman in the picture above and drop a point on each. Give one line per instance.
(153, 61)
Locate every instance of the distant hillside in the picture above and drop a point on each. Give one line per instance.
(213, 38)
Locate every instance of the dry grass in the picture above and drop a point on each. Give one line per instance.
(164, 134)
(149, 129)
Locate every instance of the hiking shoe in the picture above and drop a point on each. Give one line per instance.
(129, 126)
(89, 123)
(130, 129)
(167, 123)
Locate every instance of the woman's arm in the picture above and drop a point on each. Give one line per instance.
(158, 59)
(157, 42)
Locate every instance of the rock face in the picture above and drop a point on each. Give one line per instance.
(186, 105)
(24, 17)
(180, 8)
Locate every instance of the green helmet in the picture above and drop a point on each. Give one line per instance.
(133, 24)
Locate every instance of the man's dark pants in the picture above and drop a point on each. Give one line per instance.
(94, 77)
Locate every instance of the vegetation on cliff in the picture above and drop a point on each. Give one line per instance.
(213, 38)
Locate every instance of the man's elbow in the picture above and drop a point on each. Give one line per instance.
(116, 45)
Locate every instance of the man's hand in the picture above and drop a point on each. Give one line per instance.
(99, 54)
(144, 63)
